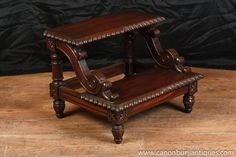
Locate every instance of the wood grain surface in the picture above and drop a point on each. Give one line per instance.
(29, 128)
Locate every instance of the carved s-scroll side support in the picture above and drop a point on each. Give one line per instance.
(168, 58)
(129, 54)
(94, 82)
(57, 78)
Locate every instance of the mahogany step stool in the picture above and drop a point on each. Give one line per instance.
(142, 87)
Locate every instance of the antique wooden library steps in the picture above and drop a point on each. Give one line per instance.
(141, 87)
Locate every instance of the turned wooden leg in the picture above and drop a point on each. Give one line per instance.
(57, 77)
(117, 119)
(118, 132)
(188, 101)
(58, 104)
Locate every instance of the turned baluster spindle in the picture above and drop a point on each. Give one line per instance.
(129, 54)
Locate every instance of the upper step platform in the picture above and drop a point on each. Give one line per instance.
(102, 27)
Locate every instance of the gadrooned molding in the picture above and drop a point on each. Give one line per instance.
(74, 42)
(119, 107)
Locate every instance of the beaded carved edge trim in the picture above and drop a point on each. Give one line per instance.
(111, 106)
(123, 30)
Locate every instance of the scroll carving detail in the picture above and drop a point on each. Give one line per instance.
(168, 58)
(94, 82)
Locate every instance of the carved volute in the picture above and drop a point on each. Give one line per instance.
(165, 58)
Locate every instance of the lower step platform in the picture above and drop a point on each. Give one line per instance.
(151, 87)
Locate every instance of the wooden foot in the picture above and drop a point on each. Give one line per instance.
(118, 132)
(188, 101)
(118, 119)
(59, 106)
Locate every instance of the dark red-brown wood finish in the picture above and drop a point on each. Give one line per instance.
(142, 86)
